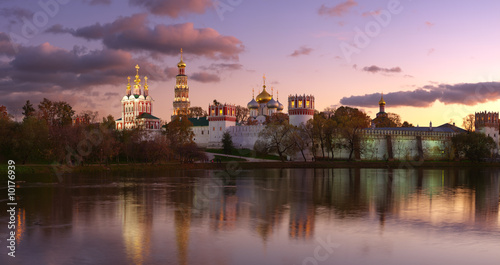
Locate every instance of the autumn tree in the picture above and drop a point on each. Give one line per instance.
(318, 131)
(328, 112)
(301, 139)
(407, 124)
(89, 116)
(28, 110)
(31, 140)
(227, 143)
(330, 134)
(57, 113)
(108, 122)
(241, 114)
(195, 112)
(7, 132)
(277, 118)
(109, 146)
(4, 115)
(388, 121)
(180, 138)
(473, 146)
(308, 131)
(468, 122)
(351, 122)
(276, 138)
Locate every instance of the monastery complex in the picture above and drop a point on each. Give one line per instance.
(400, 143)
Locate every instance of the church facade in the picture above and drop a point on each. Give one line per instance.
(137, 107)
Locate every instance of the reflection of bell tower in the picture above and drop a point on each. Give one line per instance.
(182, 227)
(181, 100)
(137, 225)
(302, 211)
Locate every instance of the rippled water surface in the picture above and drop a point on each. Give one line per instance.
(286, 216)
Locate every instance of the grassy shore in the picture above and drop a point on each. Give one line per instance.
(45, 171)
(244, 153)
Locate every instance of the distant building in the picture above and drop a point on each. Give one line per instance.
(81, 120)
(488, 124)
(300, 109)
(181, 91)
(137, 107)
(264, 105)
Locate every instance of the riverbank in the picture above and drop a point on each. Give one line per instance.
(52, 171)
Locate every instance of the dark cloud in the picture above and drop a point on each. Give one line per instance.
(134, 34)
(338, 10)
(15, 14)
(375, 69)
(205, 77)
(301, 51)
(77, 76)
(173, 8)
(171, 72)
(465, 93)
(6, 47)
(97, 2)
(43, 68)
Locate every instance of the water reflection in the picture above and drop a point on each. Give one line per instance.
(260, 217)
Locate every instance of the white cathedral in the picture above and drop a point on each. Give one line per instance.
(137, 107)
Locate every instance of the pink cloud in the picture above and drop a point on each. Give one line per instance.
(338, 10)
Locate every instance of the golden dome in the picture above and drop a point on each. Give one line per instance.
(181, 64)
(382, 102)
(263, 97)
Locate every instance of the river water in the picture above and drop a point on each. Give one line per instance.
(271, 216)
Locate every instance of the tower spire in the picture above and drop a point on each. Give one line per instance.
(137, 80)
(181, 54)
(264, 81)
(128, 86)
(253, 93)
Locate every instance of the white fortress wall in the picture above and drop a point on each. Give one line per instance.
(245, 136)
(201, 135)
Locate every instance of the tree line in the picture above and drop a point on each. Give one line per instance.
(47, 134)
(341, 129)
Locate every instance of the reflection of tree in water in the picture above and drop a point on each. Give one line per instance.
(342, 191)
(268, 201)
(486, 185)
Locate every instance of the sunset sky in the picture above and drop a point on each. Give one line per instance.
(433, 60)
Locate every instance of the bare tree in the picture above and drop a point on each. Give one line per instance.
(301, 139)
(468, 123)
(351, 122)
(277, 138)
(241, 114)
(197, 112)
